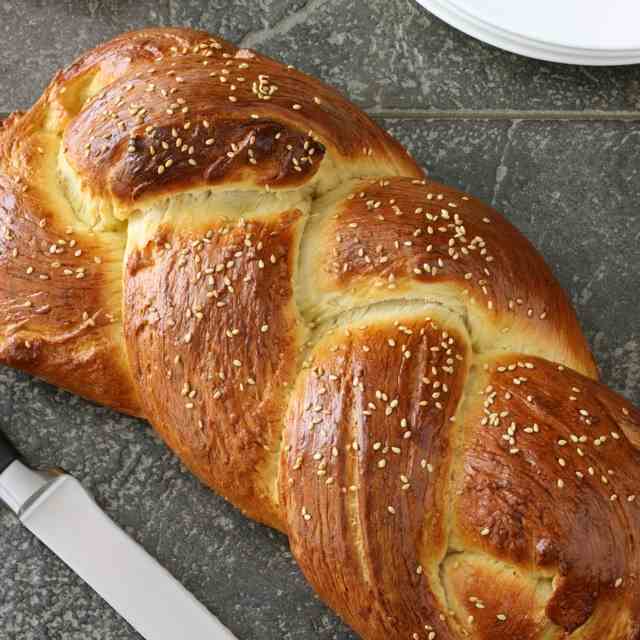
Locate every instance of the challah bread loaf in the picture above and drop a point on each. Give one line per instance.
(378, 365)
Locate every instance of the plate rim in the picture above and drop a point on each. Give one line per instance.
(541, 40)
(530, 47)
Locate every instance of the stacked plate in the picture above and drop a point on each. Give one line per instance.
(592, 32)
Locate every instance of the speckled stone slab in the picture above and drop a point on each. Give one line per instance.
(502, 127)
(385, 54)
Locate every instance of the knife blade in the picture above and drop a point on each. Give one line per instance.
(62, 514)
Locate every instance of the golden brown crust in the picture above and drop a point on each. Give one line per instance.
(208, 114)
(406, 238)
(120, 155)
(367, 460)
(540, 435)
(58, 319)
(211, 329)
(373, 364)
(114, 58)
(515, 610)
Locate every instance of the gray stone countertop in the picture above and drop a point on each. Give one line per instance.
(554, 147)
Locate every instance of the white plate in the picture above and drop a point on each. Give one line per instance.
(591, 32)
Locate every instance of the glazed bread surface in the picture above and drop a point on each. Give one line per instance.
(376, 364)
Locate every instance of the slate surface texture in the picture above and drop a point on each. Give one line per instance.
(554, 147)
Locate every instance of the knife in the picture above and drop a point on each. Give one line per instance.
(58, 511)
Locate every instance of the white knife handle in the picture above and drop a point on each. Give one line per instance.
(19, 484)
(70, 523)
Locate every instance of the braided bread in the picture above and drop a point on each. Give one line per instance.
(378, 365)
